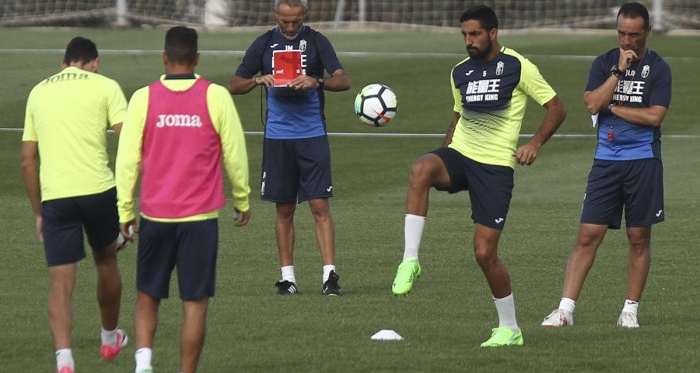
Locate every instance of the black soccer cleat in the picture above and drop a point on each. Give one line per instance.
(286, 287)
(331, 286)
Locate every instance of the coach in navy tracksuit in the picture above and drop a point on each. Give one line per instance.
(628, 92)
(296, 154)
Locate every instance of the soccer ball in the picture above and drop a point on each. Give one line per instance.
(376, 105)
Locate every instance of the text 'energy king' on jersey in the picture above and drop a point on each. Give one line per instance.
(629, 91)
(483, 90)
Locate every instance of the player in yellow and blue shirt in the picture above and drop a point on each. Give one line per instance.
(491, 97)
(479, 153)
(72, 189)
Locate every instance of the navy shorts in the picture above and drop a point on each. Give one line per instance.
(637, 187)
(490, 187)
(296, 170)
(191, 246)
(65, 218)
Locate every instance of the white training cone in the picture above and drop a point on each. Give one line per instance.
(386, 335)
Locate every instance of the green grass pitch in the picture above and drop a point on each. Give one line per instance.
(450, 312)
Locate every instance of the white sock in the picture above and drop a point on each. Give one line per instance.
(143, 359)
(506, 312)
(288, 274)
(413, 231)
(108, 337)
(567, 304)
(630, 306)
(64, 357)
(327, 272)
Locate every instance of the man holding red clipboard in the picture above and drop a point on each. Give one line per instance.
(291, 60)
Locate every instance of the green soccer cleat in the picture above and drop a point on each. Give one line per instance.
(504, 336)
(408, 271)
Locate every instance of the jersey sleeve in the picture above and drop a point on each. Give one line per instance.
(117, 104)
(456, 94)
(29, 133)
(235, 157)
(661, 91)
(597, 74)
(329, 58)
(128, 161)
(252, 59)
(534, 84)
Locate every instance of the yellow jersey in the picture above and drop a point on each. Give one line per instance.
(68, 115)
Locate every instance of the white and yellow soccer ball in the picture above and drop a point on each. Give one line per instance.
(376, 105)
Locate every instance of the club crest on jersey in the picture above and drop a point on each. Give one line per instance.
(645, 71)
(302, 45)
(499, 68)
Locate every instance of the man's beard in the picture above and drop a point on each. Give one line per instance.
(476, 54)
(292, 37)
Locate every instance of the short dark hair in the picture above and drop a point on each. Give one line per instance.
(634, 10)
(485, 15)
(80, 49)
(181, 45)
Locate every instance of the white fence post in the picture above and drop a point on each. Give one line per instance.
(121, 13)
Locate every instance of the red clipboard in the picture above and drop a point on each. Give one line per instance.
(286, 66)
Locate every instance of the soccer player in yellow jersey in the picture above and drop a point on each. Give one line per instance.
(479, 153)
(71, 188)
(179, 132)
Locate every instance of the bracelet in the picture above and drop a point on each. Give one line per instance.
(257, 82)
(615, 71)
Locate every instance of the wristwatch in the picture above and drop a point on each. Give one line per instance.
(609, 109)
(320, 82)
(614, 70)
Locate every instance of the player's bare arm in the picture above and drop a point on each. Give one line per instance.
(556, 113)
(240, 85)
(338, 81)
(451, 130)
(30, 174)
(651, 116)
(598, 99)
